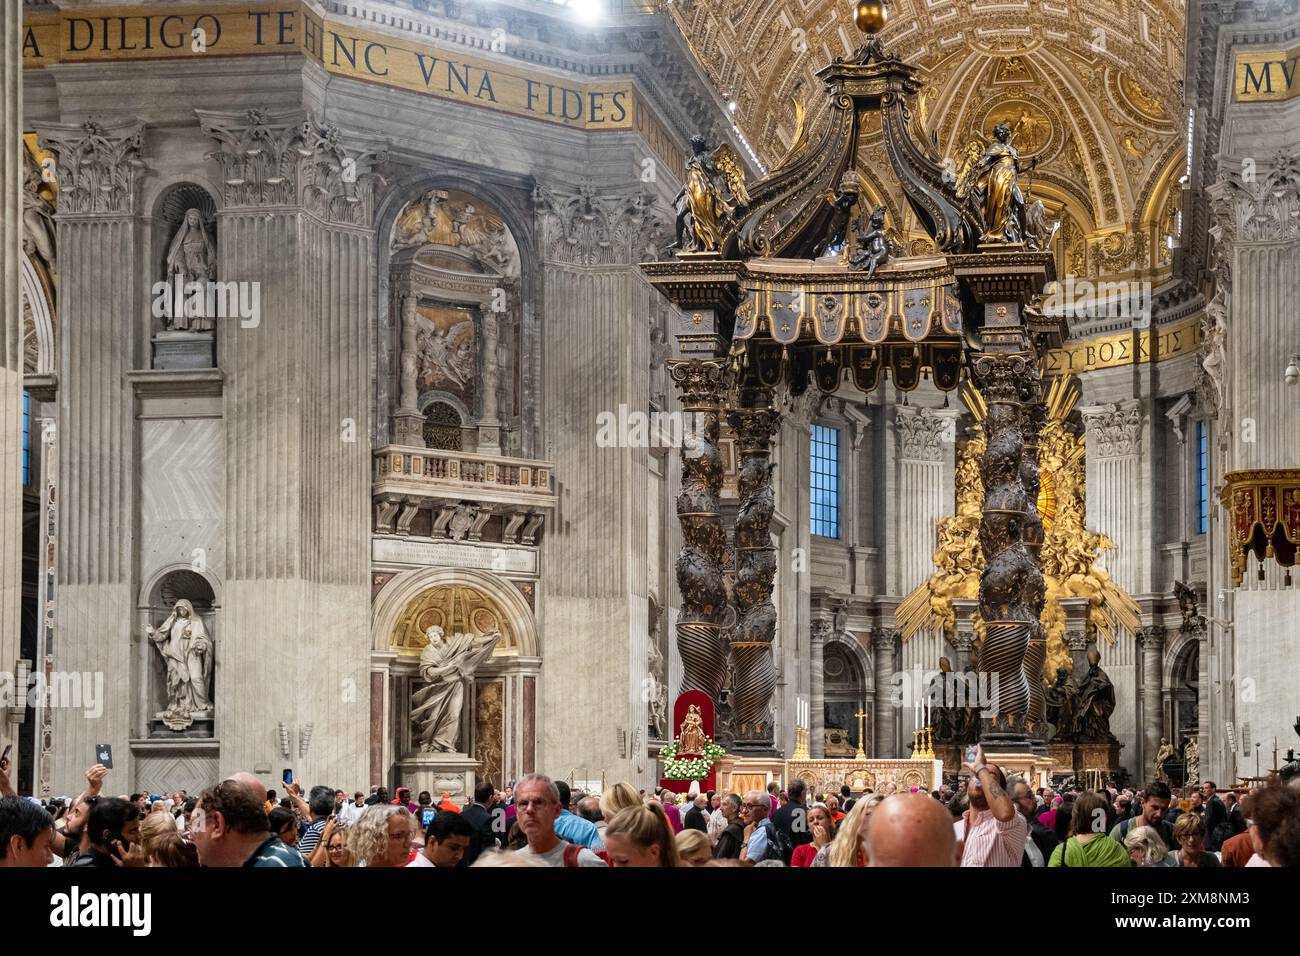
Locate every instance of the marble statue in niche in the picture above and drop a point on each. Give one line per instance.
(186, 649)
(191, 259)
(447, 664)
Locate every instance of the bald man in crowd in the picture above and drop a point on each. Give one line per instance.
(911, 829)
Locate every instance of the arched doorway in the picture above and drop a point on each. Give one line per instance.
(498, 719)
(1183, 692)
(845, 695)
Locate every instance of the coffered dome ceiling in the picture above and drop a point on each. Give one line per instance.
(1093, 90)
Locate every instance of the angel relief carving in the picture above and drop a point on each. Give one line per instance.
(454, 220)
(713, 194)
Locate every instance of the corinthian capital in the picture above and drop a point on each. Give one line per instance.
(587, 226)
(1114, 430)
(97, 165)
(921, 433)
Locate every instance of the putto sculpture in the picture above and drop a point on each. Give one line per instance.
(873, 246)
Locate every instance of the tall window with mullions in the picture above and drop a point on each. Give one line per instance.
(1202, 479)
(825, 511)
(27, 439)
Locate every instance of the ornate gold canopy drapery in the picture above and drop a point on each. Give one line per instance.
(1264, 505)
(1069, 553)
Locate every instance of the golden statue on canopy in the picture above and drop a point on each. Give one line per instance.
(714, 191)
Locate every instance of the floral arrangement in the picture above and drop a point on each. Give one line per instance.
(690, 768)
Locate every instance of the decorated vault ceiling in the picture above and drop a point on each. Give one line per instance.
(1093, 90)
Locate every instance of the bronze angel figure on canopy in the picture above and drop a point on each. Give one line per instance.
(714, 192)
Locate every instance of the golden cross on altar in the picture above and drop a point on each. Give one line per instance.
(862, 734)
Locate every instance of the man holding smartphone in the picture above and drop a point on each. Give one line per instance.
(991, 832)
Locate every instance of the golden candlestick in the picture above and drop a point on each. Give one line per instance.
(862, 733)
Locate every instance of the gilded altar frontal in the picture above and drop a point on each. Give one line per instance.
(700, 395)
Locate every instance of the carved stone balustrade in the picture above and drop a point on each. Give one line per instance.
(459, 496)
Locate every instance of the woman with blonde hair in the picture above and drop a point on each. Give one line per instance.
(619, 797)
(382, 836)
(694, 848)
(641, 836)
(333, 849)
(153, 828)
(849, 846)
(1145, 848)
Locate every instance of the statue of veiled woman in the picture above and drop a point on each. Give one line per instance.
(186, 649)
(1001, 200)
(191, 257)
(448, 664)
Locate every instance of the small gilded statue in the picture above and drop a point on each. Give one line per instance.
(691, 739)
(714, 190)
(1192, 763)
(1163, 755)
(873, 246)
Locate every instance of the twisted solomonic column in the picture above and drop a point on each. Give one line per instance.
(1011, 579)
(753, 672)
(701, 383)
(1033, 415)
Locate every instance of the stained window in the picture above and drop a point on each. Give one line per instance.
(825, 502)
(1202, 479)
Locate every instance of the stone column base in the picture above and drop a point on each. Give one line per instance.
(438, 773)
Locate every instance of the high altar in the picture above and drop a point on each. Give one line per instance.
(794, 282)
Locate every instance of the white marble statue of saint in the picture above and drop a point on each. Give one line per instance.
(191, 258)
(186, 649)
(447, 664)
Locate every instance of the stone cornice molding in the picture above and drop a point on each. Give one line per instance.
(98, 166)
(1114, 430)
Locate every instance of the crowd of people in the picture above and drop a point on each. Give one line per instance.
(988, 819)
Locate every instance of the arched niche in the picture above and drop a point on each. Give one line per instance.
(182, 340)
(452, 329)
(499, 721)
(158, 599)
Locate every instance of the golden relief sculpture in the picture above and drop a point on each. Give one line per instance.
(455, 609)
(1070, 551)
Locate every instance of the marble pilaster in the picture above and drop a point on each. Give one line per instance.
(297, 439)
(820, 633)
(884, 644)
(11, 362)
(98, 300)
(1151, 643)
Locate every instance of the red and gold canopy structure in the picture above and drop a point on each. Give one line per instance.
(1264, 510)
